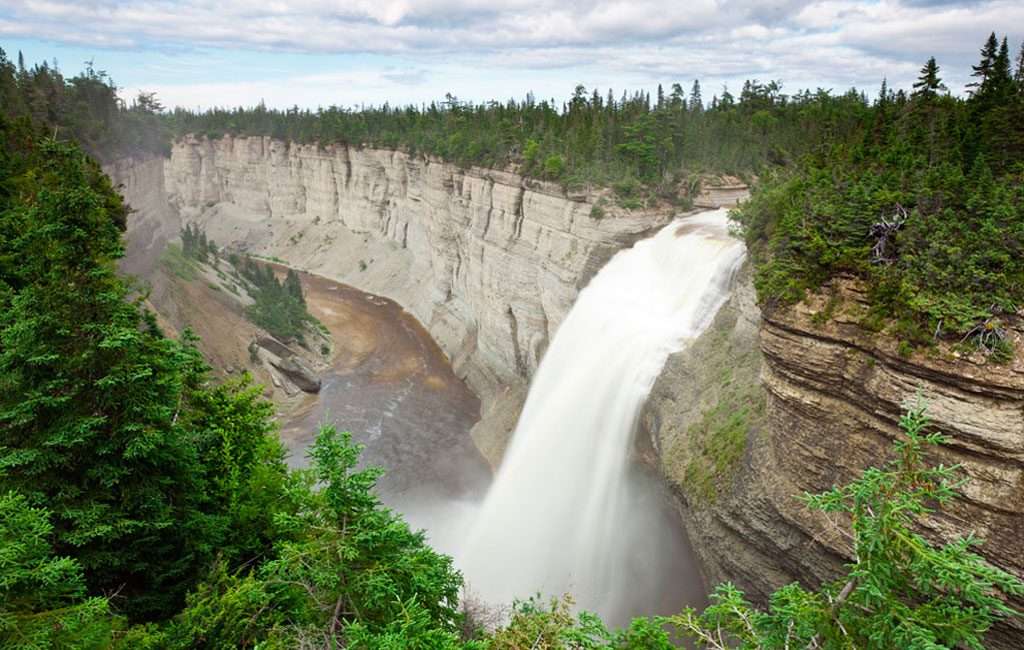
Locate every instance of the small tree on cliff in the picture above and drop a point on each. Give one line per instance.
(901, 591)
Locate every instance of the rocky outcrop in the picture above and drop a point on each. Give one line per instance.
(833, 394)
(298, 373)
(718, 195)
(488, 261)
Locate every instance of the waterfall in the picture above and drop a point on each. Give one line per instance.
(563, 515)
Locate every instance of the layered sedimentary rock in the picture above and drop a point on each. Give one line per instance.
(488, 261)
(833, 394)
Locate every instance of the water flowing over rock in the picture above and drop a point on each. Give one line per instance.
(562, 514)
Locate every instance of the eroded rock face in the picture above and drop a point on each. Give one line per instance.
(488, 261)
(153, 221)
(834, 392)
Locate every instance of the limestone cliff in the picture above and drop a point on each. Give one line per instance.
(488, 261)
(832, 393)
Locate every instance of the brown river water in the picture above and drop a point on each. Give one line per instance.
(392, 387)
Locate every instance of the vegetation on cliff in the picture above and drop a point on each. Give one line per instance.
(632, 142)
(924, 201)
(278, 306)
(84, 108)
(901, 590)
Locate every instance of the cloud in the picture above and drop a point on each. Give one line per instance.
(829, 43)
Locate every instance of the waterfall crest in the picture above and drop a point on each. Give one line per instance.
(562, 515)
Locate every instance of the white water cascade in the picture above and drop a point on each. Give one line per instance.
(563, 515)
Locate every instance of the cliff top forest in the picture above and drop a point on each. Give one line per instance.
(144, 505)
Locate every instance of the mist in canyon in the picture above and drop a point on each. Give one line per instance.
(569, 510)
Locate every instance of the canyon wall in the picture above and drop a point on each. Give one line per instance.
(153, 220)
(821, 398)
(488, 261)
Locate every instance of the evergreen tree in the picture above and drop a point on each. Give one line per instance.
(696, 103)
(293, 285)
(1019, 74)
(984, 68)
(101, 417)
(678, 97)
(43, 601)
(1001, 80)
(928, 83)
(202, 246)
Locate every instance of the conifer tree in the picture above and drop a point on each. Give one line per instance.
(103, 420)
(928, 83)
(293, 285)
(1019, 74)
(883, 92)
(1001, 80)
(984, 68)
(678, 96)
(696, 103)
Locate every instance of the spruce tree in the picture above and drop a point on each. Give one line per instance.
(984, 68)
(1019, 74)
(293, 286)
(928, 83)
(696, 103)
(1001, 80)
(104, 421)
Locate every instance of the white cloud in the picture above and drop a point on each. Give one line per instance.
(830, 43)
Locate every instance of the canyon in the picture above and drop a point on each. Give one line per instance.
(490, 263)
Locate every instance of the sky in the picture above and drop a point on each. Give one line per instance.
(204, 53)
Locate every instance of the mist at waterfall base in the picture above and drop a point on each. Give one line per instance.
(567, 511)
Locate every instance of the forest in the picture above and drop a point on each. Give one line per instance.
(145, 505)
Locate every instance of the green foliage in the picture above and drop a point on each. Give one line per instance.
(344, 571)
(901, 591)
(555, 627)
(173, 259)
(43, 602)
(279, 308)
(105, 422)
(924, 201)
(716, 443)
(84, 108)
(591, 140)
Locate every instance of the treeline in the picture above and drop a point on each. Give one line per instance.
(924, 201)
(84, 108)
(592, 139)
